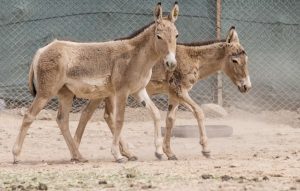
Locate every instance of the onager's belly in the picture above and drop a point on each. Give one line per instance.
(90, 88)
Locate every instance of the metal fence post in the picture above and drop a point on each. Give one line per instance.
(218, 36)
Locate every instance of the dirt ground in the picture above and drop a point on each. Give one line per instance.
(263, 153)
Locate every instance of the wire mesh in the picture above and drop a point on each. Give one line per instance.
(268, 30)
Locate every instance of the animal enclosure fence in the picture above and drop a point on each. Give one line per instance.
(269, 31)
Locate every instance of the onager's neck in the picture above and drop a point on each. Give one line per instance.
(144, 43)
(208, 58)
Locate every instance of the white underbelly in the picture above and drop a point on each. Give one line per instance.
(90, 88)
(101, 81)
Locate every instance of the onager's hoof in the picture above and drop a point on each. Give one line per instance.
(121, 160)
(206, 154)
(16, 161)
(172, 158)
(158, 156)
(79, 160)
(132, 158)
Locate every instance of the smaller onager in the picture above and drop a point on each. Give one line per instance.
(97, 70)
(195, 61)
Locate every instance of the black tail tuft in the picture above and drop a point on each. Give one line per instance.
(33, 91)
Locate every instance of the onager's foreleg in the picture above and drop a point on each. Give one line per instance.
(65, 105)
(109, 118)
(170, 122)
(86, 115)
(120, 103)
(144, 98)
(199, 115)
(36, 106)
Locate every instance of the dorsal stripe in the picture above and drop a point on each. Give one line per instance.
(203, 43)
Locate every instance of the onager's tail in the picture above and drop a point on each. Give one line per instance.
(30, 81)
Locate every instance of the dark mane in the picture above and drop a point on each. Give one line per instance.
(203, 43)
(135, 33)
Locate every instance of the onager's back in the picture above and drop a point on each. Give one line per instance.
(97, 70)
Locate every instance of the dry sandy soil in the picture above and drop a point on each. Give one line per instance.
(263, 153)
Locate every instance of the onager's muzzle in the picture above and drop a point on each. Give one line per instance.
(170, 61)
(244, 85)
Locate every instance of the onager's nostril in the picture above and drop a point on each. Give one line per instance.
(174, 65)
(167, 63)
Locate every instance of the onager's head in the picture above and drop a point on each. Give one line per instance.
(166, 35)
(236, 63)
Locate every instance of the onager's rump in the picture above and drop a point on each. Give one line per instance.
(196, 61)
(112, 69)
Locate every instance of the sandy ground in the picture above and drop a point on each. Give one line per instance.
(262, 154)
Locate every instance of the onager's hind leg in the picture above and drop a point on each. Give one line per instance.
(170, 122)
(109, 118)
(65, 105)
(144, 98)
(84, 118)
(199, 114)
(36, 106)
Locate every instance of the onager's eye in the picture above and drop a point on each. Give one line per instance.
(176, 36)
(234, 61)
(159, 37)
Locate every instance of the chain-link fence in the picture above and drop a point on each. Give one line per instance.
(269, 31)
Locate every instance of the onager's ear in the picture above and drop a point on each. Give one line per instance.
(232, 36)
(174, 13)
(158, 12)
